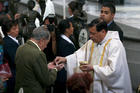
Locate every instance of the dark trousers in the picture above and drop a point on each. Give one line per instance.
(11, 85)
(60, 88)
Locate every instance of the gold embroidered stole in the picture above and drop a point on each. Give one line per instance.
(93, 61)
(89, 62)
(96, 59)
(102, 56)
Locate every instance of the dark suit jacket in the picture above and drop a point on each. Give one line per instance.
(10, 47)
(64, 49)
(31, 69)
(114, 27)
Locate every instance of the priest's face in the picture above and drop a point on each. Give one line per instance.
(96, 36)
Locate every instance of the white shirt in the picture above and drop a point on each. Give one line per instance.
(14, 38)
(67, 39)
(70, 16)
(1, 32)
(36, 44)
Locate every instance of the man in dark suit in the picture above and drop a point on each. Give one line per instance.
(33, 74)
(107, 14)
(11, 44)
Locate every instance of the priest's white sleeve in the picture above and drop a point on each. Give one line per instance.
(74, 59)
(71, 64)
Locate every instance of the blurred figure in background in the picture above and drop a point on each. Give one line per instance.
(42, 6)
(108, 11)
(37, 7)
(50, 22)
(78, 17)
(29, 18)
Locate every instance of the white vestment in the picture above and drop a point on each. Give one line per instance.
(111, 75)
(37, 7)
(49, 9)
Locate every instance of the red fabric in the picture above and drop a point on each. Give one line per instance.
(5, 70)
(1, 6)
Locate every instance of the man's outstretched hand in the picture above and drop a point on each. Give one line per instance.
(60, 60)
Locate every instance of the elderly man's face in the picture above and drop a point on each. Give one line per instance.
(95, 36)
(43, 43)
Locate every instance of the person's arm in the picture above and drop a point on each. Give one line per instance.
(53, 35)
(59, 60)
(45, 76)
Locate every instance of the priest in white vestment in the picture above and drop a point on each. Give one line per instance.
(106, 59)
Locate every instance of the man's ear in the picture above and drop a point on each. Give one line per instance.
(67, 30)
(103, 31)
(113, 15)
(40, 41)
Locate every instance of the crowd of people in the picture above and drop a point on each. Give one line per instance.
(46, 58)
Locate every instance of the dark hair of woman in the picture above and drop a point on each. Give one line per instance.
(63, 25)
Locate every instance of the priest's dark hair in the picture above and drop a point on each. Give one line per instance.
(99, 23)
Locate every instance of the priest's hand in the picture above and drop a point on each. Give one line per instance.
(52, 65)
(86, 68)
(60, 60)
(59, 67)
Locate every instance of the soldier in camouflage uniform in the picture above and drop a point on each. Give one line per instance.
(78, 19)
(29, 18)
